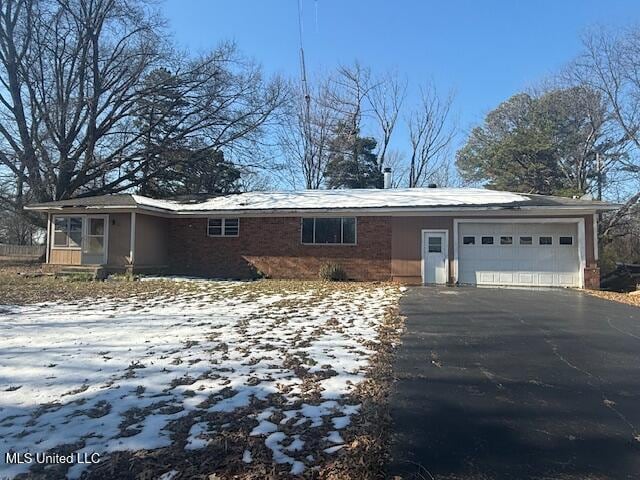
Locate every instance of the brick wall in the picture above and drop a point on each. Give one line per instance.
(592, 278)
(272, 245)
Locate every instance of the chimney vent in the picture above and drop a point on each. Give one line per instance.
(387, 177)
(432, 185)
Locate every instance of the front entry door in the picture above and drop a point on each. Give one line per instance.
(93, 241)
(434, 257)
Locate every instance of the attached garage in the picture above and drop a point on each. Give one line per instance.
(521, 253)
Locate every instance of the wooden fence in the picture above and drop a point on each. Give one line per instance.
(21, 250)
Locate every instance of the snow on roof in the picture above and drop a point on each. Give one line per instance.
(339, 199)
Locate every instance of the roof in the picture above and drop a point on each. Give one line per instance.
(396, 199)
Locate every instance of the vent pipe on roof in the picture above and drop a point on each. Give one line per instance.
(387, 177)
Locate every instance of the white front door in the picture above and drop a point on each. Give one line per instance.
(94, 240)
(434, 257)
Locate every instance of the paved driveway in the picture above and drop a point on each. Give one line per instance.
(517, 384)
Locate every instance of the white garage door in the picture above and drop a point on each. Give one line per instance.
(518, 254)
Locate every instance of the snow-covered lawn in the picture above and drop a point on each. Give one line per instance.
(178, 370)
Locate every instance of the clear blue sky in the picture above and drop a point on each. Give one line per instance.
(486, 50)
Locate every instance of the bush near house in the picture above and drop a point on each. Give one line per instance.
(332, 272)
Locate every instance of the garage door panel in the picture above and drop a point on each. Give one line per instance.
(531, 262)
(525, 278)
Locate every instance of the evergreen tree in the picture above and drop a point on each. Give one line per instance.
(352, 162)
(543, 144)
(196, 172)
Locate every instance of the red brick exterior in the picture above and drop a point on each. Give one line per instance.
(272, 246)
(592, 278)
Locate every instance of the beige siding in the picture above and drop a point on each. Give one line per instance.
(406, 245)
(119, 239)
(65, 256)
(152, 240)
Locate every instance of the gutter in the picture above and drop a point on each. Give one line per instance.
(367, 210)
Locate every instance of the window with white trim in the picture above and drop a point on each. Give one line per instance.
(67, 232)
(469, 240)
(565, 240)
(326, 230)
(487, 240)
(223, 227)
(545, 240)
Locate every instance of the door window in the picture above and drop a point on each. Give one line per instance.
(95, 236)
(435, 244)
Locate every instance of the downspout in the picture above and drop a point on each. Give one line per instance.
(132, 240)
(49, 242)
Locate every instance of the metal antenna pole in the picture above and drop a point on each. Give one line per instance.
(305, 91)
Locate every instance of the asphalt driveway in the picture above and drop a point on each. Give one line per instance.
(516, 384)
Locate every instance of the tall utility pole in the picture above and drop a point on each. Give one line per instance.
(305, 93)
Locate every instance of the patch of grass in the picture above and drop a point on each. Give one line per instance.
(18, 289)
(367, 437)
(79, 277)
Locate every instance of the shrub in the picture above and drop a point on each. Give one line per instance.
(332, 272)
(79, 277)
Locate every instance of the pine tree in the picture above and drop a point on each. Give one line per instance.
(352, 161)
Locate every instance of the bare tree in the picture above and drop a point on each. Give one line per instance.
(347, 94)
(431, 134)
(73, 79)
(305, 140)
(610, 64)
(386, 97)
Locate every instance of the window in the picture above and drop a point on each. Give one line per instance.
(468, 240)
(506, 240)
(435, 244)
(223, 227)
(487, 240)
(546, 241)
(566, 240)
(526, 240)
(67, 231)
(339, 230)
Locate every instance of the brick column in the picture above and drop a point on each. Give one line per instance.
(592, 278)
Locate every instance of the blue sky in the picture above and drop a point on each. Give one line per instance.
(484, 50)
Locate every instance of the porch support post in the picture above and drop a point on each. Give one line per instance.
(132, 240)
(49, 241)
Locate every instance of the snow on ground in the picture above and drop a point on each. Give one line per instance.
(110, 375)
